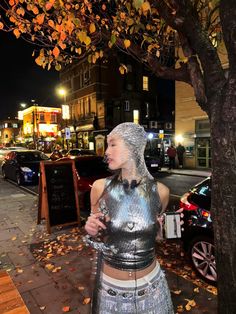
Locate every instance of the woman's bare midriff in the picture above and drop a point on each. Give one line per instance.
(127, 275)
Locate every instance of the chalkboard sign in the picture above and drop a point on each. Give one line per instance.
(58, 193)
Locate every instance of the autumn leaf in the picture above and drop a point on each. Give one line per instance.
(146, 7)
(87, 41)
(58, 67)
(1, 25)
(137, 4)
(86, 300)
(51, 23)
(40, 18)
(196, 290)
(35, 10)
(12, 2)
(92, 28)
(19, 271)
(177, 292)
(42, 308)
(82, 36)
(127, 43)
(49, 266)
(20, 11)
(66, 309)
(49, 4)
(14, 238)
(122, 70)
(56, 52)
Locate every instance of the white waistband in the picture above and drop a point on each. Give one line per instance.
(130, 283)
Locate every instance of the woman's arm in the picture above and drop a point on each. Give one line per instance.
(164, 194)
(93, 223)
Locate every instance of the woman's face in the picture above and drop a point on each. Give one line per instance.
(118, 154)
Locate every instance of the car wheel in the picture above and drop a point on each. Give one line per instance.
(18, 179)
(4, 174)
(202, 255)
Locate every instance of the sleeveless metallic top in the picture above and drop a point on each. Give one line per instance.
(133, 225)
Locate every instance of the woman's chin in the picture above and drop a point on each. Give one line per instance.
(112, 167)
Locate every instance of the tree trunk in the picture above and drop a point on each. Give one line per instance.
(223, 135)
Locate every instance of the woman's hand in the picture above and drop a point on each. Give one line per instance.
(180, 210)
(94, 224)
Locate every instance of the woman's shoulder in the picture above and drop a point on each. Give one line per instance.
(101, 183)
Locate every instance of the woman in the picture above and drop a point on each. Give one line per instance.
(125, 209)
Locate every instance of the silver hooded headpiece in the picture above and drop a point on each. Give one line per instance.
(135, 138)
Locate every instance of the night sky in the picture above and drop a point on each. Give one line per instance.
(22, 79)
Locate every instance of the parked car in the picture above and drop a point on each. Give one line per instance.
(89, 168)
(198, 236)
(153, 163)
(58, 153)
(22, 166)
(79, 152)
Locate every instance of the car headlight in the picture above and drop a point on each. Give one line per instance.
(25, 169)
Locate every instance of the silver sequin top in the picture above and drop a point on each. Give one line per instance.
(133, 226)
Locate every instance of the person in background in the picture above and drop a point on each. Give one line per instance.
(171, 153)
(180, 153)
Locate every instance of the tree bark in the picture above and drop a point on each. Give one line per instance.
(223, 135)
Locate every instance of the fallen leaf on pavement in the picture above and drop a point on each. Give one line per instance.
(180, 308)
(66, 309)
(177, 292)
(13, 238)
(19, 271)
(42, 308)
(86, 300)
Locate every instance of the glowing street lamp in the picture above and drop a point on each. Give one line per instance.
(23, 105)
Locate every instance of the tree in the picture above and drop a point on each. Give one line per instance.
(66, 30)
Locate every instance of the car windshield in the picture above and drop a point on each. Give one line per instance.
(31, 156)
(91, 167)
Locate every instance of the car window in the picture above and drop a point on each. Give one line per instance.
(91, 167)
(204, 188)
(31, 156)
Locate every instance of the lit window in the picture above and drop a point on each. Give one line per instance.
(145, 83)
(136, 116)
(53, 118)
(65, 112)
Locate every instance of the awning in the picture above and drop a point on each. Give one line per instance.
(87, 127)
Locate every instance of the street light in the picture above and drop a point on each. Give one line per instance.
(65, 114)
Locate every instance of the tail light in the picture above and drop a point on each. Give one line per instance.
(184, 203)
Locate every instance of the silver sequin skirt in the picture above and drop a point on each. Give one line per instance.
(148, 295)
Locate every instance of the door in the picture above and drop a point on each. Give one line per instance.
(203, 150)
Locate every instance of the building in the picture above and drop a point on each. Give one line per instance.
(192, 126)
(100, 97)
(9, 132)
(41, 126)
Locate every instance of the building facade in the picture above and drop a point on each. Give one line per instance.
(100, 97)
(41, 125)
(10, 132)
(192, 126)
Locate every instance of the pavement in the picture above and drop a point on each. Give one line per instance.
(53, 272)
